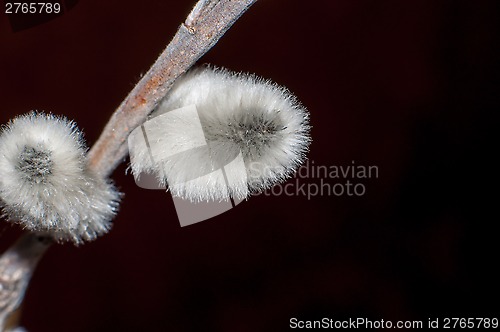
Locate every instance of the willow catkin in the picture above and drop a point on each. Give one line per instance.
(45, 184)
(213, 117)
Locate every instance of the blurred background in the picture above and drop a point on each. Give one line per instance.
(410, 87)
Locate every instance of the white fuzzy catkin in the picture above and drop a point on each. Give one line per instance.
(45, 184)
(238, 113)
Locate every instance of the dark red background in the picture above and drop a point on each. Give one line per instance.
(409, 86)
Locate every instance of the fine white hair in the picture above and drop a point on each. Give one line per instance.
(45, 185)
(241, 117)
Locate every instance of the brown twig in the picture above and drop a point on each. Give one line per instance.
(16, 267)
(202, 29)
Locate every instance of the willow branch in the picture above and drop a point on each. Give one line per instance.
(16, 267)
(204, 26)
(206, 23)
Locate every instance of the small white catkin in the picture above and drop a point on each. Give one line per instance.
(240, 115)
(45, 185)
